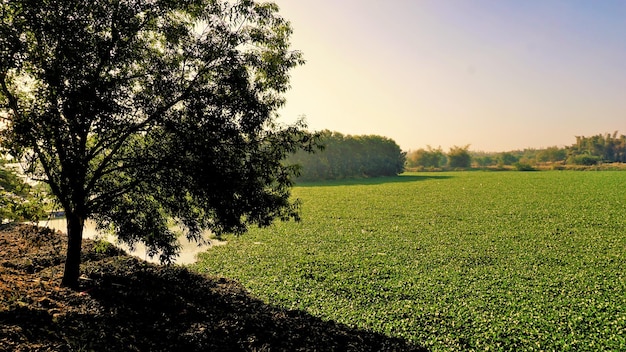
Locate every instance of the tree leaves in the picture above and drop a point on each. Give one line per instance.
(18, 200)
(146, 111)
(351, 156)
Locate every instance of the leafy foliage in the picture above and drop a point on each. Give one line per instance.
(584, 159)
(346, 156)
(551, 154)
(429, 158)
(459, 157)
(587, 151)
(19, 201)
(138, 112)
(599, 148)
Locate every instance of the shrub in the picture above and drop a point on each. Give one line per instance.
(519, 166)
(584, 159)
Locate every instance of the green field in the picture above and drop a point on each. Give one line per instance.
(453, 261)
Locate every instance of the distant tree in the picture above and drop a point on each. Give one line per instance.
(383, 156)
(552, 154)
(523, 165)
(620, 149)
(605, 148)
(507, 158)
(483, 160)
(459, 157)
(346, 156)
(584, 159)
(427, 158)
(141, 112)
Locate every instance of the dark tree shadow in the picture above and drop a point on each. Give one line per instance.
(130, 305)
(375, 180)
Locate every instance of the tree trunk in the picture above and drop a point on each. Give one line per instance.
(74, 244)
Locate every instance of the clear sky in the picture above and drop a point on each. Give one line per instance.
(498, 75)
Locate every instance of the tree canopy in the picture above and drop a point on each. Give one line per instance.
(459, 157)
(598, 148)
(19, 201)
(142, 112)
(346, 156)
(429, 158)
(587, 151)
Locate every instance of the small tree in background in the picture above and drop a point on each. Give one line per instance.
(507, 158)
(459, 157)
(136, 112)
(427, 158)
(552, 154)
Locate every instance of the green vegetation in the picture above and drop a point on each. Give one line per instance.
(137, 112)
(19, 201)
(346, 156)
(587, 151)
(459, 157)
(453, 261)
(430, 158)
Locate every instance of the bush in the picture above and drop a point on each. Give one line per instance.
(523, 167)
(584, 159)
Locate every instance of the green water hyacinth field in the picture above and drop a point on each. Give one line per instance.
(454, 261)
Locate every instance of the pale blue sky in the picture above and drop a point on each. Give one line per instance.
(498, 75)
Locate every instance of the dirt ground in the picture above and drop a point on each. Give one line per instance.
(126, 304)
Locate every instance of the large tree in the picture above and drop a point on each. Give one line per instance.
(140, 113)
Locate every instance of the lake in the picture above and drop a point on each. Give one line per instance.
(187, 254)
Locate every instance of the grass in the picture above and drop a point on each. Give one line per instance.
(452, 261)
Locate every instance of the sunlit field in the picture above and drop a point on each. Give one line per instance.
(452, 261)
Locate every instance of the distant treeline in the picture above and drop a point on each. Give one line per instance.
(587, 151)
(346, 156)
(436, 159)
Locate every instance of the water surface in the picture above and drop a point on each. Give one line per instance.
(187, 254)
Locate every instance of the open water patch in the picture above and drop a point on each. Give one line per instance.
(187, 255)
